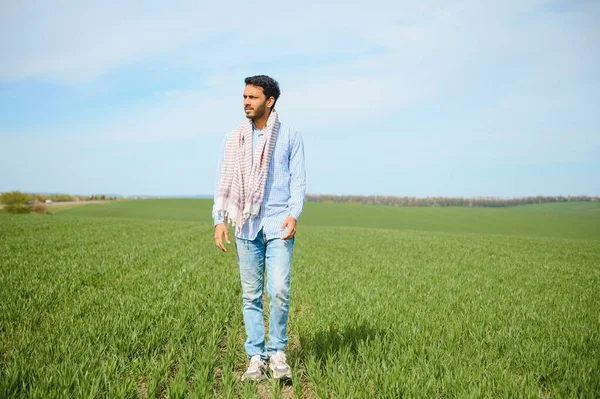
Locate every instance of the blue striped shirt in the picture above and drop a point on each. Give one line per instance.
(284, 189)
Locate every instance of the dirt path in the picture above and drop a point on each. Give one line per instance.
(61, 206)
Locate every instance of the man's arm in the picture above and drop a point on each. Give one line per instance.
(220, 226)
(297, 184)
(297, 176)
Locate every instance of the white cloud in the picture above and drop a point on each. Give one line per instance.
(78, 41)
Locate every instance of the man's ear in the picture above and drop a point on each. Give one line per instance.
(270, 102)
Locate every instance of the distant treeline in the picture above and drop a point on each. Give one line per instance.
(57, 197)
(18, 202)
(493, 202)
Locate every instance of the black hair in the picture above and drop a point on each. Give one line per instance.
(269, 85)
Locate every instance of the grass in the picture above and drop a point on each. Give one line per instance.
(571, 220)
(131, 299)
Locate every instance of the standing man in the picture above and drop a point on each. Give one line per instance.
(261, 186)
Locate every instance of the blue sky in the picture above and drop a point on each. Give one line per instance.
(428, 98)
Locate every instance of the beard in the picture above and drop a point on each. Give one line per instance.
(258, 112)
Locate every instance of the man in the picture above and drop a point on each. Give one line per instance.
(261, 186)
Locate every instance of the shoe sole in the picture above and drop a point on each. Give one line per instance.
(280, 376)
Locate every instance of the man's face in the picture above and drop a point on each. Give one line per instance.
(255, 102)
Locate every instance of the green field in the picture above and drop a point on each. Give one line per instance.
(132, 299)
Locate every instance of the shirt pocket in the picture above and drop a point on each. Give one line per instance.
(280, 162)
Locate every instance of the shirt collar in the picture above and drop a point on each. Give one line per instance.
(256, 130)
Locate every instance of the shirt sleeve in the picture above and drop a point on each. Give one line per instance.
(297, 176)
(218, 219)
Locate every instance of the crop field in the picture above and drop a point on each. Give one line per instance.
(132, 299)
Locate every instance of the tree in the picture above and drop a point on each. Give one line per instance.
(15, 202)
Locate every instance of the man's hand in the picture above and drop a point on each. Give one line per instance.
(220, 231)
(290, 223)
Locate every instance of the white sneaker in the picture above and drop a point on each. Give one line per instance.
(279, 367)
(256, 370)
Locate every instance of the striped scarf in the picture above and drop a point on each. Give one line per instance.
(242, 185)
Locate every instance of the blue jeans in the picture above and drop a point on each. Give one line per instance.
(251, 255)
